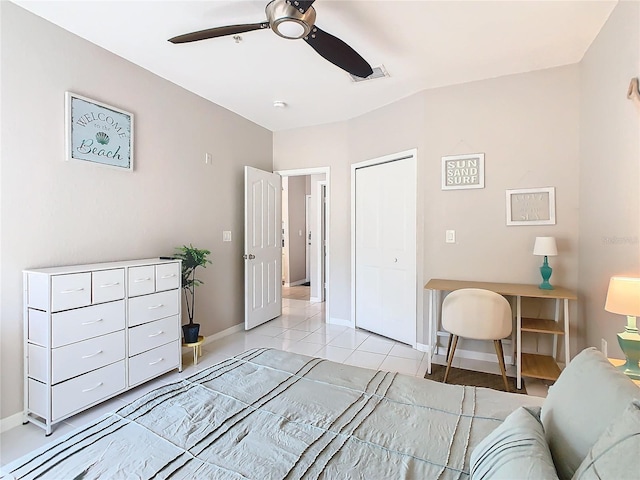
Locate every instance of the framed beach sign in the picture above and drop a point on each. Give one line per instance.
(463, 171)
(98, 133)
(531, 206)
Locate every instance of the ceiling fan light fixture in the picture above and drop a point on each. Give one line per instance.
(290, 28)
(286, 21)
(293, 20)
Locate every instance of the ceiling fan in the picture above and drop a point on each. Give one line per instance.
(294, 19)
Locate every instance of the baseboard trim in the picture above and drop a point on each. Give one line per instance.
(341, 321)
(461, 353)
(315, 299)
(10, 422)
(474, 355)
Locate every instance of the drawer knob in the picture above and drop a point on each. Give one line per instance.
(107, 285)
(92, 354)
(153, 307)
(155, 334)
(157, 361)
(169, 276)
(92, 388)
(138, 280)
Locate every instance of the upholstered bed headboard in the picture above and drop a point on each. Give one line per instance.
(588, 397)
(588, 428)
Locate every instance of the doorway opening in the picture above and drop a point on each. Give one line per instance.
(305, 234)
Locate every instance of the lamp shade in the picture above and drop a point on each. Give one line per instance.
(545, 246)
(623, 296)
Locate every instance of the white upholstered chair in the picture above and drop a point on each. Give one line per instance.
(477, 314)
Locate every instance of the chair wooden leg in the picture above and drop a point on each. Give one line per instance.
(450, 358)
(500, 354)
(449, 347)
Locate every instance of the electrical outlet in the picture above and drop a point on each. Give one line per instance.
(603, 347)
(226, 236)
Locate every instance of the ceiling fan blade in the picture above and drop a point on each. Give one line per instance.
(301, 5)
(338, 52)
(218, 32)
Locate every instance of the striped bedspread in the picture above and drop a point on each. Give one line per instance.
(268, 414)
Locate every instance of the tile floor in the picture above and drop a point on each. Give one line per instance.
(298, 292)
(301, 329)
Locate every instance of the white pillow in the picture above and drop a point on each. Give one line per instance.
(516, 449)
(585, 399)
(616, 453)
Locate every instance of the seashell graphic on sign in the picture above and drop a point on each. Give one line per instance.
(102, 138)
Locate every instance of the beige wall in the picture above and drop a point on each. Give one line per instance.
(609, 171)
(527, 126)
(56, 212)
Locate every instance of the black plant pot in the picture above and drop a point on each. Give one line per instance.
(190, 332)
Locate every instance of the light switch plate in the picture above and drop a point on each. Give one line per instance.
(226, 236)
(450, 236)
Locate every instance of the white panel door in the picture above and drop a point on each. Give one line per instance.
(385, 249)
(262, 246)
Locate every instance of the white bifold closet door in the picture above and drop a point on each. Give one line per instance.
(385, 249)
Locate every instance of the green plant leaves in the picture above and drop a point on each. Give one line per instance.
(192, 258)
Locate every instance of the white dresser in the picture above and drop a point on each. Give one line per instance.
(94, 331)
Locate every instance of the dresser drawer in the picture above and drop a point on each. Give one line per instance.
(77, 393)
(153, 334)
(153, 362)
(82, 357)
(153, 307)
(107, 285)
(70, 291)
(81, 324)
(167, 276)
(141, 280)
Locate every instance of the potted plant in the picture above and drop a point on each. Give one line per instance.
(192, 258)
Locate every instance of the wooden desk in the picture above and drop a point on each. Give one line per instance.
(534, 365)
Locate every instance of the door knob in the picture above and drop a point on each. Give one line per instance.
(251, 256)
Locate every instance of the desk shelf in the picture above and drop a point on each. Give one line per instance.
(540, 366)
(541, 325)
(535, 365)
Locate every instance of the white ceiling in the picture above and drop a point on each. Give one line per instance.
(423, 44)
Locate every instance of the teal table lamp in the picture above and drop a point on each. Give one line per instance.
(623, 297)
(545, 246)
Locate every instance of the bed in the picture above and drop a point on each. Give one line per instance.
(271, 414)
